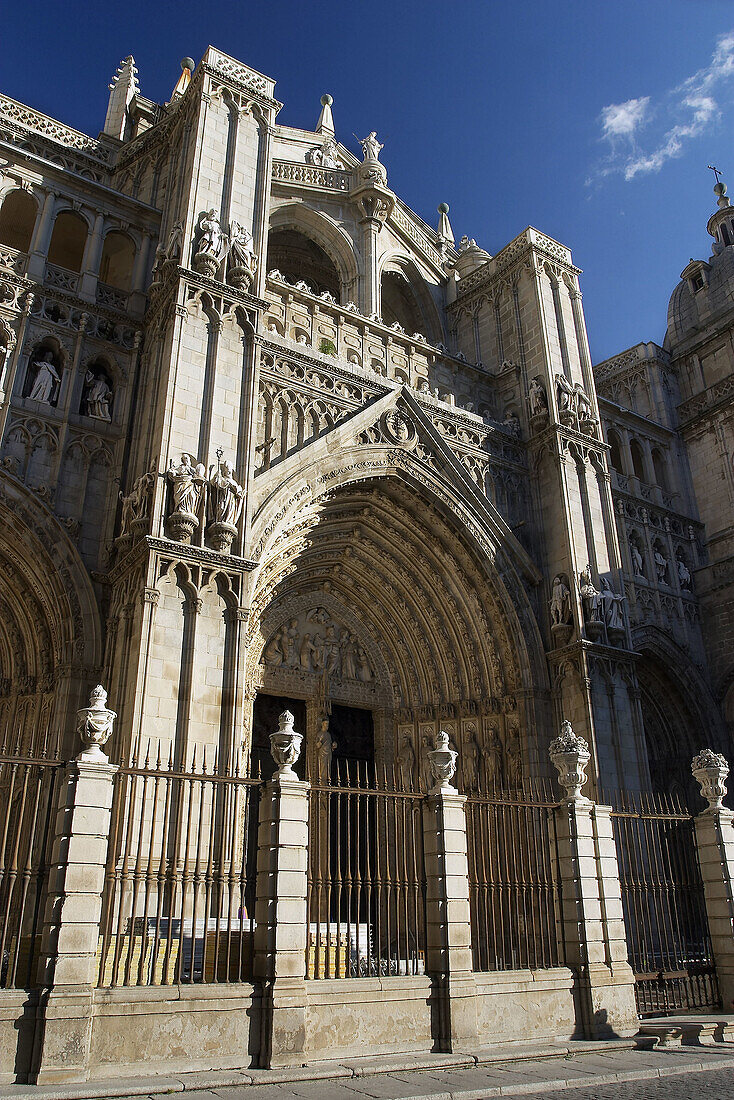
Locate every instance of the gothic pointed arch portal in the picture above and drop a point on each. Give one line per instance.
(369, 597)
(50, 636)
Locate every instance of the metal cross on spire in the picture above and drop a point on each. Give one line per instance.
(716, 171)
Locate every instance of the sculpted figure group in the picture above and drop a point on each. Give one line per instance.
(320, 646)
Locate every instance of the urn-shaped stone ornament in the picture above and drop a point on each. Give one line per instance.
(443, 762)
(570, 756)
(710, 769)
(285, 745)
(94, 725)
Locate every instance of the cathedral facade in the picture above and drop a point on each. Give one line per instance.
(268, 436)
(287, 472)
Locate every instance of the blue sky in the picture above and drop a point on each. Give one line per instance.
(592, 121)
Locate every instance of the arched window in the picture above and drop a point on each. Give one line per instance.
(398, 303)
(658, 465)
(68, 240)
(298, 257)
(725, 234)
(116, 265)
(615, 453)
(17, 219)
(638, 462)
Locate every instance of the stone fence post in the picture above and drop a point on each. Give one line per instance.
(592, 924)
(448, 920)
(68, 963)
(715, 842)
(280, 910)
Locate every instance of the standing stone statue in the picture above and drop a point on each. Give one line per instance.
(661, 565)
(565, 394)
(638, 567)
(97, 396)
(684, 576)
(187, 481)
(591, 597)
(371, 146)
(325, 751)
(136, 504)
(46, 381)
(426, 775)
(242, 258)
(209, 248)
(226, 500)
(514, 756)
(405, 760)
(537, 399)
(612, 603)
(470, 761)
(560, 604)
(492, 759)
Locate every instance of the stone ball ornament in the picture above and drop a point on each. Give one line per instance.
(570, 755)
(443, 208)
(710, 770)
(94, 725)
(285, 746)
(188, 63)
(327, 100)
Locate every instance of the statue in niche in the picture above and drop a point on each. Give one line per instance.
(492, 759)
(583, 405)
(511, 423)
(325, 751)
(612, 603)
(661, 564)
(470, 760)
(590, 595)
(371, 147)
(638, 566)
(537, 399)
(187, 481)
(97, 396)
(565, 393)
(405, 760)
(47, 381)
(426, 775)
(210, 242)
(514, 756)
(684, 576)
(560, 604)
(226, 495)
(137, 502)
(242, 258)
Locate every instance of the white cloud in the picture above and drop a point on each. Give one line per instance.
(622, 119)
(690, 109)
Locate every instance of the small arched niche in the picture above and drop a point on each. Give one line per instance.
(615, 452)
(17, 219)
(68, 241)
(98, 394)
(296, 256)
(45, 373)
(118, 256)
(398, 302)
(638, 461)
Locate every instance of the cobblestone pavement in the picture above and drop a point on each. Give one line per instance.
(663, 1075)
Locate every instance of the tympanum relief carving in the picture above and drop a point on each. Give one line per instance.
(314, 642)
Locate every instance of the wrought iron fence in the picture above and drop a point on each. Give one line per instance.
(179, 899)
(366, 887)
(29, 793)
(514, 885)
(668, 941)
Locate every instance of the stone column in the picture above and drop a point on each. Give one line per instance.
(280, 912)
(448, 919)
(41, 239)
(592, 923)
(68, 965)
(91, 260)
(715, 842)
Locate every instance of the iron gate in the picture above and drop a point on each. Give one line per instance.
(668, 941)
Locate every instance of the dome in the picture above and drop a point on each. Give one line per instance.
(688, 311)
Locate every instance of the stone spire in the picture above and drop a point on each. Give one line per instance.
(445, 232)
(325, 125)
(122, 89)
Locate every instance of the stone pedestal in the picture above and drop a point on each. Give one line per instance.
(715, 841)
(281, 920)
(592, 924)
(448, 919)
(68, 965)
